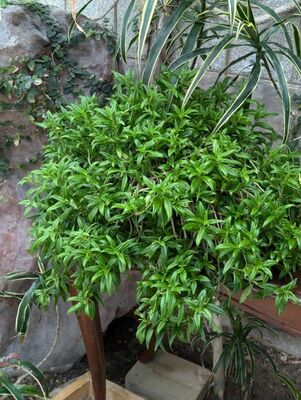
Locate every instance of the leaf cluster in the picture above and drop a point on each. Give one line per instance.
(145, 183)
(242, 345)
(198, 33)
(22, 391)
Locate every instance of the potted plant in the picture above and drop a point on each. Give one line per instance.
(146, 184)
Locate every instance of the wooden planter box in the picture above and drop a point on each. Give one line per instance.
(81, 389)
(289, 321)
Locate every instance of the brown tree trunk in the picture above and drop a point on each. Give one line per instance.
(148, 354)
(93, 340)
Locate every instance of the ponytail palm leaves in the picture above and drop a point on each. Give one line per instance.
(197, 33)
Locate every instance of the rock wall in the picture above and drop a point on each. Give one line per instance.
(23, 34)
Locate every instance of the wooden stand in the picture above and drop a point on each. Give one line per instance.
(81, 389)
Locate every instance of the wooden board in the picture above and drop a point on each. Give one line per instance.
(81, 389)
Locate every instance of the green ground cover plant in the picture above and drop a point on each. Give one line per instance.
(20, 391)
(147, 184)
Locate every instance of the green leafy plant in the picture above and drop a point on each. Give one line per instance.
(18, 391)
(291, 386)
(199, 32)
(241, 347)
(146, 184)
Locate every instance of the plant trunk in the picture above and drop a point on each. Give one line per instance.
(217, 347)
(148, 354)
(93, 340)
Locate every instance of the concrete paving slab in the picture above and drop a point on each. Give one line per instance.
(168, 377)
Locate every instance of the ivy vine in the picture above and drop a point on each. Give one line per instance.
(52, 80)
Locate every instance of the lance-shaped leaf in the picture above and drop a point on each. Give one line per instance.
(243, 95)
(74, 20)
(297, 38)
(22, 317)
(125, 25)
(276, 18)
(189, 56)
(232, 4)
(25, 390)
(295, 60)
(12, 389)
(146, 20)
(162, 38)
(212, 56)
(283, 87)
(20, 276)
(234, 62)
(36, 374)
(11, 295)
(298, 6)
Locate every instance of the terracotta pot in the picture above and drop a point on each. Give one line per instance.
(289, 321)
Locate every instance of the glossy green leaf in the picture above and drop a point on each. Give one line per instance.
(183, 59)
(295, 60)
(22, 316)
(125, 25)
(232, 6)
(149, 8)
(13, 391)
(268, 10)
(37, 375)
(283, 87)
(20, 276)
(243, 95)
(162, 38)
(297, 38)
(212, 56)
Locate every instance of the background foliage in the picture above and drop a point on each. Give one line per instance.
(197, 33)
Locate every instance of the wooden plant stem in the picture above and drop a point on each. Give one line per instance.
(217, 347)
(148, 354)
(93, 340)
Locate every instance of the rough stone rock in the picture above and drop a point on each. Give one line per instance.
(23, 34)
(61, 329)
(14, 241)
(20, 34)
(92, 58)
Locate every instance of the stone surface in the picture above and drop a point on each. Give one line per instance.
(94, 57)
(60, 333)
(23, 34)
(168, 377)
(20, 34)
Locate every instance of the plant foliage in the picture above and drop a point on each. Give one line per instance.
(241, 347)
(186, 31)
(146, 184)
(18, 391)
